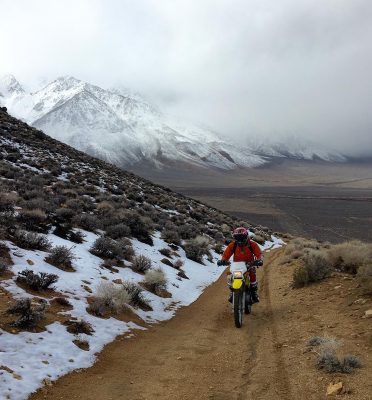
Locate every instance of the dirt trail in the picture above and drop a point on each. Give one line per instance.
(199, 354)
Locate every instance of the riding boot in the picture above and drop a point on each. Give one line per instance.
(254, 293)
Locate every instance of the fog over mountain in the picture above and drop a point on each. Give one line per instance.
(260, 68)
(125, 129)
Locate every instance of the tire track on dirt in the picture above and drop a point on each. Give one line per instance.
(281, 369)
(266, 373)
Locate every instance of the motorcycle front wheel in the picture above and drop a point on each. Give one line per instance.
(247, 302)
(238, 308)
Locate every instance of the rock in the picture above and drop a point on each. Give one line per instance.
(118, 281)
(334, 389)
(368, 314)
(337, 287)
(47, 382)
(16, 376)
(30, 262)
(87, 288)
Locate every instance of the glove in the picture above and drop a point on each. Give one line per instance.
(258, 263)
(222, 262)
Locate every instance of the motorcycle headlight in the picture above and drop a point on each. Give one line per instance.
(238, 274)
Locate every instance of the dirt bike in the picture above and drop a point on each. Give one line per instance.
(239, 284)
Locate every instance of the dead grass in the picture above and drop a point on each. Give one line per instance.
(349, 256)
(109, 298)
(365, 277)
(155, 281)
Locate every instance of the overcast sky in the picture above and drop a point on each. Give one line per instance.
(243, 67)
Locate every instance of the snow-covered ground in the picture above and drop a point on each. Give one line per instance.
(36, 358)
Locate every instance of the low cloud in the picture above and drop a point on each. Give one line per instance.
(245, 68)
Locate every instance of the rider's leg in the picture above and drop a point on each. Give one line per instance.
(253, 286)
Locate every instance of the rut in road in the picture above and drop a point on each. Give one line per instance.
(199, 354)
(268, 377)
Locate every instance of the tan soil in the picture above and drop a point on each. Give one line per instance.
(199, 354)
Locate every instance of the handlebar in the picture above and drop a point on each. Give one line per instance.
(225, 263)
(255, 263)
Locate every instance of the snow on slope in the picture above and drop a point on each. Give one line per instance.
(124, 128)
(36, 357)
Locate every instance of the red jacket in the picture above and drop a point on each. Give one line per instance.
(242, 253)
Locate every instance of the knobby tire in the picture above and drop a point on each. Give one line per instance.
(238, 308)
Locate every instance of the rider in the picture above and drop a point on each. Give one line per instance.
(245, 249)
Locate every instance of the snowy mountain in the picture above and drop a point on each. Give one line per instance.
(294, 147)
(121, 127)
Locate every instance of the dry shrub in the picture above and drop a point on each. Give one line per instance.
(29, 314)
(259, 239)
(348, 256)
(315, 268)
(331, 362)
(76, 327)
(104, 207)
(76, 236)
(65, 214)
(106, 247)
(218, 248)
(136, 297)
(171, 235)
(87, 222)
(165, 252)
(62, 301)
(7, 201)
(31, 240)
(141, 263)
(196, 248)
(118, 231)
(38, 282)
(32, 219)
(155, 280)
(61, 257)
(4, 268)
(110, 297)
(365, 277)
(298, 248)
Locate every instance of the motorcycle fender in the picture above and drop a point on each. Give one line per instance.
(237, 283)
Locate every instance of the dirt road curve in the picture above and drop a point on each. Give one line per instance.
(201, 355)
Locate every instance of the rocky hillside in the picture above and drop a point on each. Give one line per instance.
(88, 252)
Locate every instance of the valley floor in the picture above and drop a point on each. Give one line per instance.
(199, 354)
(328, 201)
(327, 213)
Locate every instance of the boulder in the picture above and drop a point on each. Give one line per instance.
(368, 314)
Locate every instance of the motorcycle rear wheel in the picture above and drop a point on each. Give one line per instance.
(238, 308)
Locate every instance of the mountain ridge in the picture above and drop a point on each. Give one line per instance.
(127, 130)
